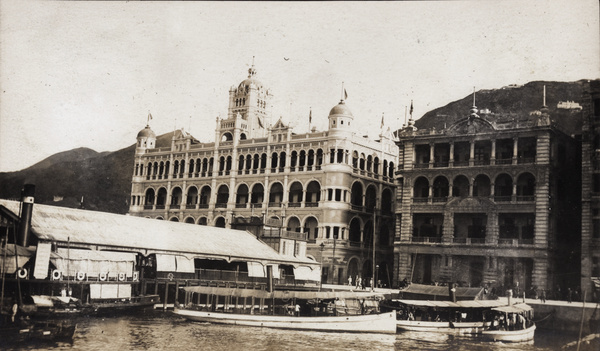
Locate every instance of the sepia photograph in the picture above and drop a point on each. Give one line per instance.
(303, 175)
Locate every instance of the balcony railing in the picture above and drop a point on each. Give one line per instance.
(311, 204)
(525, 198)
(294, 204)
(499, 198)
(421, 165)
(148, 207)
(522, 160)
(240, 205)
(503, 161)
(220, 205)
(426, 239)
(440, 199)
(420, 199)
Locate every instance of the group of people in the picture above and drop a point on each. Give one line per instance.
(360, 283)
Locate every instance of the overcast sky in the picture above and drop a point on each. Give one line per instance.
(76, 74)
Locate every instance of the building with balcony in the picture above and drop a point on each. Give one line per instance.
(590, 176)
(487, 201)
(324, 194)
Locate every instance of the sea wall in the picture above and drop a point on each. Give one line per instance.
(566, 317)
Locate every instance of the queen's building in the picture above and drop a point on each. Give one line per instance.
(328, 195)
(488, 199)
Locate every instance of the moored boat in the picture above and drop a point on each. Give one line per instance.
(511, 323)
(298, 310)
(523, 335)
(461, 317)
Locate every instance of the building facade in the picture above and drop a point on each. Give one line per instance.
(590, 211)
(329, 194)
(486, 201)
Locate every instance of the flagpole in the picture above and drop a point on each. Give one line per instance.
(342, 92)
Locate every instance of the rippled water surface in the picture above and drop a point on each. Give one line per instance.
(163, 331)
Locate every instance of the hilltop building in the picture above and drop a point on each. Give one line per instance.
(329, 194)
(590, 191)
(488, 201)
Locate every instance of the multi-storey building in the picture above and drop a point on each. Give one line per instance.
(590, 186)
(487, 200)
(324, 192)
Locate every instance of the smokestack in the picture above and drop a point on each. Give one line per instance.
(26, 212)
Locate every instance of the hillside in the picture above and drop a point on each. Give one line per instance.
(513, 102)
(102, 179)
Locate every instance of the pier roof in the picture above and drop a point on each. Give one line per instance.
(92, 228)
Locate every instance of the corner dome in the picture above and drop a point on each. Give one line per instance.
(146, 133)
(341, 109)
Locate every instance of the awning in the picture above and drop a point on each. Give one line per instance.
(517, 308)
(449, 304)
(304, 295)
(185, 265)
(93, 262)
(276, 273)
(24, 254)
(596, 282)
(165, 263)
(305, 273)
(256, 269)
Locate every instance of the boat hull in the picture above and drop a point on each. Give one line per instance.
(523, 335)
(443, 327)
(369, 323)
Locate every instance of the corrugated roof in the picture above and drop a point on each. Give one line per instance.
(51, 223)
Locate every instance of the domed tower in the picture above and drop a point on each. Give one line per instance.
(146, 139)
(250, 101)
(340, 118)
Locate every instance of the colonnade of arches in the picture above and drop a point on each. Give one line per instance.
(258, 163)
(503, 188)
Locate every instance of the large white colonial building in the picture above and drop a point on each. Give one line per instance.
(323, 193)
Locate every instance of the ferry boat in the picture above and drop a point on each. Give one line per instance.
(461, 317)
(299, 310)
(492, 320)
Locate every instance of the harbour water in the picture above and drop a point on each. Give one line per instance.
(155, 330)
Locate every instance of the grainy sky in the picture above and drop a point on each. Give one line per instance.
(76, 74)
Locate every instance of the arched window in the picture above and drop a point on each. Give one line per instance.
(481, 186)
(220, 222)
(161, 198)
(421, 189)
(311, 228)
(370, 198)
(258, 195)
(460, 186)
(276, 195)
(356, 195)
(354, 232)
(192, 196)
(295, 194)
(176, 197)
(293, 225)
(222, 196)
(241, 198)
(149, 202)
(313, 194)
(440, 189)
(503, 187)
(204, 197)
(386, 202)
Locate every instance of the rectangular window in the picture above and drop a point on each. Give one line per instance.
(336, 232)
(330, 194)
(338, 194)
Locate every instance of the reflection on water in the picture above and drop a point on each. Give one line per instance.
(161, 331)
